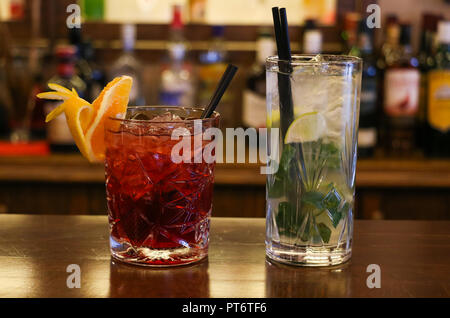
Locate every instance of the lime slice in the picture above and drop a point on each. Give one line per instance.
(308, 127)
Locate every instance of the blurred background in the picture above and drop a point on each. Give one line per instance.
(176, 51)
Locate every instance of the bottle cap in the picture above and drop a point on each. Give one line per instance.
(128, 36)
(177, 22)
(65, 52)
(391, 19)
(218, 31)
(310, 24)
(443, 33)
(430, 21)
(405, 34)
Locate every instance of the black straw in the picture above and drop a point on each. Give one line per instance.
(220, 90)
(284, 66)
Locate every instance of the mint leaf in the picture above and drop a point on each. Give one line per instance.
(340, 214)
(313, 198)
(332, 198)
(285, 218)
(335, 217)
(330, 153)
(306, 235)
(286, 157)
(332, 202)
(281, 178)
(324, 231)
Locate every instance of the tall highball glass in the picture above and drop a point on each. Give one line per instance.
(313, 106)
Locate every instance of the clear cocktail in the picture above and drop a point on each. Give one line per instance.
(311, 196)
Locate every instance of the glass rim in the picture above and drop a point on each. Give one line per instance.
(305, 60)
(214, 116)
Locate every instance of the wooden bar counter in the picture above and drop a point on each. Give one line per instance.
(385, 188)
(35, 251)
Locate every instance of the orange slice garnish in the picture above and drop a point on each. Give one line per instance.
(86, 121)
(112, 102)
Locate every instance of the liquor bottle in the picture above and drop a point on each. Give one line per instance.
(438, 108)
(17, 9)
(350, 32)
(367, 133)
(426, 63)
(312, 38)
(401, 96)
(254, 96)
(177, 88)
(389, 49)
(58, 133)
(211, 67)
(5, 105)
(85, 66)
(37, 111)
(128, 64)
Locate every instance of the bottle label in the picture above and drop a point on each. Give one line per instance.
(254, 110)
(439, 99)
(401, 87)
(367, 137)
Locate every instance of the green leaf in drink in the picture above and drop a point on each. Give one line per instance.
(282, 179)
(324, 232)
(314, 198)
(285, 219)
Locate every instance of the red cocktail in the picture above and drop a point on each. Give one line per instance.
(159, 210)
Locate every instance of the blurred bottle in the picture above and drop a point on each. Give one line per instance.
(437, 142)
(37, 109)
(390, 44)
(350, 32)
(89, 71)
(5, 103)
(312, 38)
(401, 96)
(390, 48)
(17, 9)
(254, 96)
(20, 80)
(211, 67)
(177, 87)
(58, 133)
(367, 133)
(128, 64)
(426, 63)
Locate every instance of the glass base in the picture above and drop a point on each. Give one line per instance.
(145, 256)
(308, 255)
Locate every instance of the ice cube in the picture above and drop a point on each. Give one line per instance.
(167, 116)
(140, 116)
